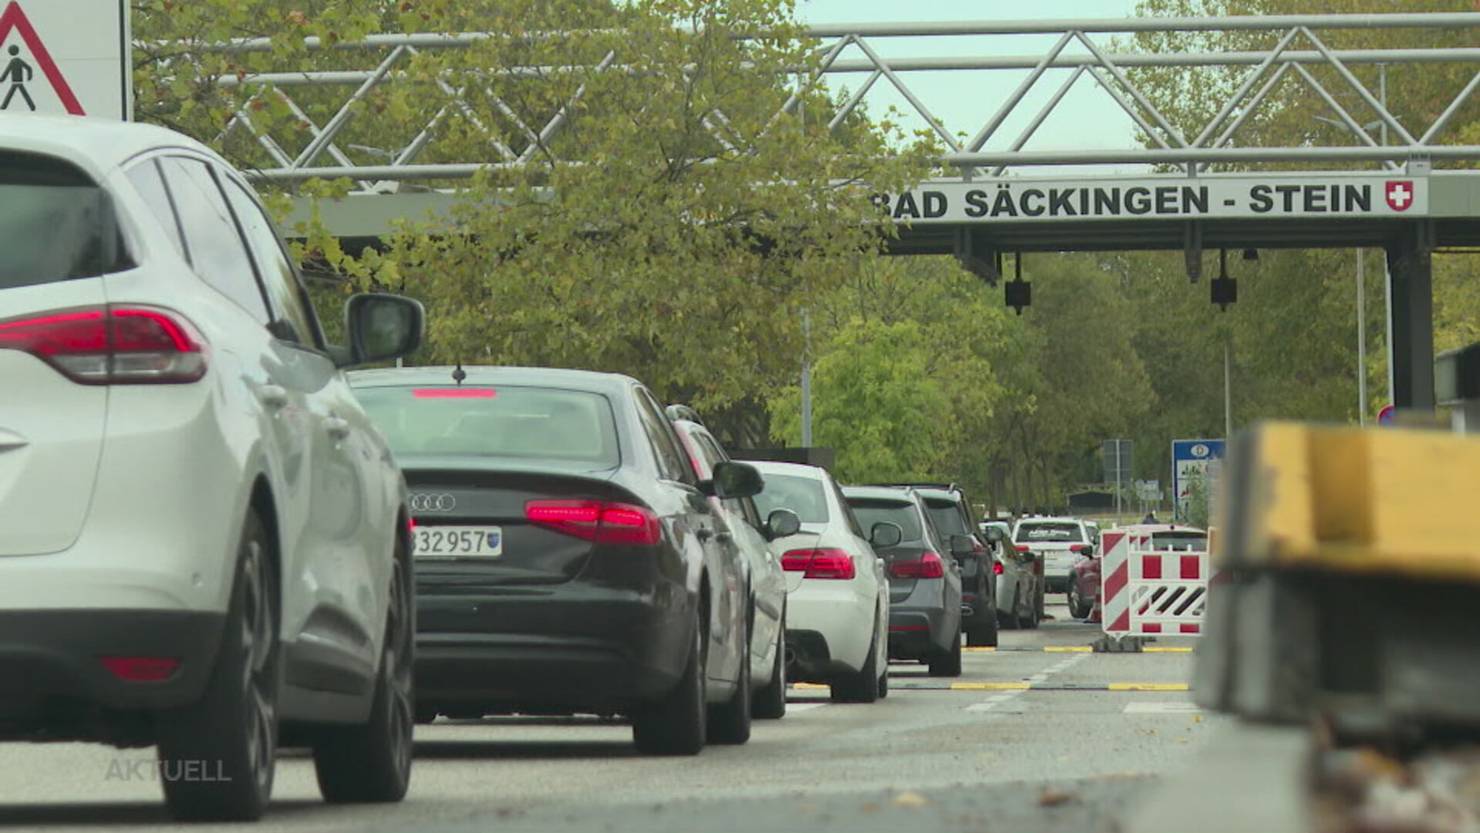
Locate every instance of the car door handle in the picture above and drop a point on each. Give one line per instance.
(704, 533)
(274, 397)
(337, 427)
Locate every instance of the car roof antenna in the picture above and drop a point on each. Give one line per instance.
(458, 374)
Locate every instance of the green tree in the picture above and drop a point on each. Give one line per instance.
(875, 402)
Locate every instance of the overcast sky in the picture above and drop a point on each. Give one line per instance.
(1086, 119)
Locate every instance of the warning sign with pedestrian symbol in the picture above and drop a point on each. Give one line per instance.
(65, 57)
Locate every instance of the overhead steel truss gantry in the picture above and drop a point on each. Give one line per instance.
(1406, 187)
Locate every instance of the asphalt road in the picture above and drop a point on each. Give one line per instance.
(1063, 754)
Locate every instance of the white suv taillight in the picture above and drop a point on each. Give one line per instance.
(111, 345)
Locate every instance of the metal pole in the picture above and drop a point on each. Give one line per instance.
(1387, 274)
(1117, 480)
(1361, 337)
(1228, 387)
(806, 379)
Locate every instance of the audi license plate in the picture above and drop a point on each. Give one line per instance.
(459, 541)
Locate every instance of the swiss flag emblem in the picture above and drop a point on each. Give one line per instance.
(1399, 194)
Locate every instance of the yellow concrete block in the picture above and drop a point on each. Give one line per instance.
(1275, 516)
(1361, 500)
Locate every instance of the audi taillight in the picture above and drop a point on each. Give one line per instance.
(600, 522)
(1021, 547)
(1078, 547)
(928, 566)
(819, 563)
(111, 345)
(141, 669)
(997, 567)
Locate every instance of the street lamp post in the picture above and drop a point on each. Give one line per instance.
(1362, 286)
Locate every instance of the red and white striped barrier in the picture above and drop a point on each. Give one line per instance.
(1146, 592)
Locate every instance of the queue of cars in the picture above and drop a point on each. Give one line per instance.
(219, 538)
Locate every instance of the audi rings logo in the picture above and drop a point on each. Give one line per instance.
(428, 502)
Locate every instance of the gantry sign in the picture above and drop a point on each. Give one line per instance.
(1387, 186)
(1212, 197)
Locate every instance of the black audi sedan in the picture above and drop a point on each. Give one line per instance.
(566, 554)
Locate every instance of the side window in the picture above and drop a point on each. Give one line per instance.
(147, 181)
(215, 247)
(289, 303)
(671, 463)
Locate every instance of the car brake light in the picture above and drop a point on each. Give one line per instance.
(453, 393)
(1078, 547)
(141, 669)
(1021, 547)
(929, 566)
(819, 563)
(597, 521)
(111, 345)
(997, 568)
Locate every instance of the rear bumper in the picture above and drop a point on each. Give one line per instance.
(572, 648)
(51, 670)
(838, 619)
(916, 633)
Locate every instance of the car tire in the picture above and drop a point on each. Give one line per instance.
(675, 725)
(1008, 619)
(232, 729)
(982, 632)
(948, 663)
(861, 686)
(729, 722)
(770, 702)
(1029, 622)
(1079, 606)
(371, 763)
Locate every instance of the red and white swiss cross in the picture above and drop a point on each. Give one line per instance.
(1399, 193)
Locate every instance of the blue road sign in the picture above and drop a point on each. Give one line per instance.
(1192, 459)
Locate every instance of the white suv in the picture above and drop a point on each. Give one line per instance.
(202, 537)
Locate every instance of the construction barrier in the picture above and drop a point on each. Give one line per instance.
(1149, 592)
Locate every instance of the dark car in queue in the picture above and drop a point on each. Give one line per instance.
(924, 585)
(950, 512)
(566, 553)
(740, 528)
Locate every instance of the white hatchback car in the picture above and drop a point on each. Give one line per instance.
(837, 603)
(203, 539)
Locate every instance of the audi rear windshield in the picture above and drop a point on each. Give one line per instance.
(526, 423)
(1028, 533)
(802, 495)
(56, 224)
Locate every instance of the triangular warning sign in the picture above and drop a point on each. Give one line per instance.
(14, 18)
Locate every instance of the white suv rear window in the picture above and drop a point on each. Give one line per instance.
(56, 224)
(1055, 532)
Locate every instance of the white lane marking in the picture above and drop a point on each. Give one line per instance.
(1162, 708)
(997, 700)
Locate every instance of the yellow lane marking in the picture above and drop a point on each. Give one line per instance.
(1149, 687)
(1067, 649)
(990, 686)
(811, 685)
(987, 650)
